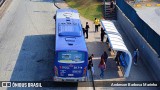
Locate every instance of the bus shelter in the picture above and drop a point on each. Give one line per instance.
(117, 44)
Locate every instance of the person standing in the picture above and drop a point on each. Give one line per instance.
(117, 57)
(102, 34)
(90, 63)
(105, 55)
(111, 6)
(102, 66)
(135, 56)
(86, 29)
(83, 31)
(97, 24)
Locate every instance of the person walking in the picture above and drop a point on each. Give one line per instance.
(86, 29)
(97, 24)
(90, 63)
(102, 66)
(135, 56)
(105, 55)
(102, 34)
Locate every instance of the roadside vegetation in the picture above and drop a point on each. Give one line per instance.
(89, 9)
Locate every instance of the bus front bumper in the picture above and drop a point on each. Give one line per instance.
(69, 79)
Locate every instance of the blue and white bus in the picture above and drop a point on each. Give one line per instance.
(71, 54)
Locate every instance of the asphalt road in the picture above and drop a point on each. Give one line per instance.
(27, 41)
(27, 33)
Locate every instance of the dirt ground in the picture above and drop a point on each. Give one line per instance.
(4, 7)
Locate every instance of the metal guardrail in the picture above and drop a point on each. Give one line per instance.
(1, 2)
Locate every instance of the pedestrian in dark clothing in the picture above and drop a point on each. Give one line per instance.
(83, 31)
(117, 57)
(111, 6)
(135, 56)
(86, 29)
(105, 55)
(102, 56)
(102, 34)
(90, 63)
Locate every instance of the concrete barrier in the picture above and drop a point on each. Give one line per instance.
(147, 53)
(1, 2)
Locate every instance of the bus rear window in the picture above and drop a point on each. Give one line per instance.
(71, 57)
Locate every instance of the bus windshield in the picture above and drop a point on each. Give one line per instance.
(71, 57)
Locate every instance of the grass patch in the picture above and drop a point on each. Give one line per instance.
(89, 9)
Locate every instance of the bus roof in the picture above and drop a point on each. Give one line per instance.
(69, 35)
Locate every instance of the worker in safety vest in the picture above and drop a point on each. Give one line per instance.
(97, 24)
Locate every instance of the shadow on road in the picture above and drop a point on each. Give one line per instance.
(35, 60)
